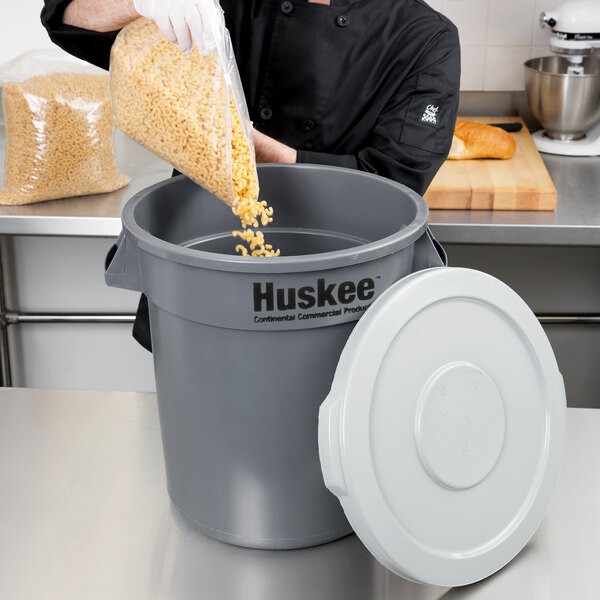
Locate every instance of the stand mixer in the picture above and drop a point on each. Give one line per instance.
(564, 89)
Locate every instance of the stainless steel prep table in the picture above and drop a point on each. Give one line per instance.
(84, 513)
(57, 301)
(576, 220)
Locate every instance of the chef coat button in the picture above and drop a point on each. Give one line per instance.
(308, 125)
(266, 113)
(287, 8)
(343, 21)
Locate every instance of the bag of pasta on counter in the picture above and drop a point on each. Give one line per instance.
(190, 110)
(59, 129)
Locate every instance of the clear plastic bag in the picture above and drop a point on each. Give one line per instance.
(190, 110)
(59, 130)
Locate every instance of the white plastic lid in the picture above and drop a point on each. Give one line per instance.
(443, 433)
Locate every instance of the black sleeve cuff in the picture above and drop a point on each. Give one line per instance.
(52, 13)
(323, 158)
(91, 46)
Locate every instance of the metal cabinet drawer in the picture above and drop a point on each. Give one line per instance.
(551, 279)
(577, 350)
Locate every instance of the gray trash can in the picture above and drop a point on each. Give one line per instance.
(427, 399)
(245, 349)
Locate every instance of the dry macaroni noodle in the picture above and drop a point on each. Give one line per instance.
(59, 130)
(176, 105)
(256, 243)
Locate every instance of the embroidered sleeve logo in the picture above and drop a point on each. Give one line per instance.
(430, 114)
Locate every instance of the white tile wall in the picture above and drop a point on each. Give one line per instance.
(497, 37)
(21, 28)
(473, 68)
(504, 68)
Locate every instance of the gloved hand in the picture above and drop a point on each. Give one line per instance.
(185, 21)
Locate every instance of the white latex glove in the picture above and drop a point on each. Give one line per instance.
(185, 21)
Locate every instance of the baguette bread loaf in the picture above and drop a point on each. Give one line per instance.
(476, 140)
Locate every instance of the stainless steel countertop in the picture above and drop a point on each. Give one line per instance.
(84, 513)
(87, 216)
(576, 220)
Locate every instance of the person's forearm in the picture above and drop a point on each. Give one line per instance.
(100, 15)
(269, 150)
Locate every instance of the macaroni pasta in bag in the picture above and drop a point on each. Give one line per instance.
(59, 130)
(190, 110)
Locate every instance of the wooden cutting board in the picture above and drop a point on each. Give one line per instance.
(519, 183)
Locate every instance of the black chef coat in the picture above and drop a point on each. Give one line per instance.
(363, 84)
(367, 84)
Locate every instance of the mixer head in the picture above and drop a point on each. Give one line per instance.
(575, 30)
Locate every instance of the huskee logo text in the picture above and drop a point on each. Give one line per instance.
(430, 114)
(267, 298)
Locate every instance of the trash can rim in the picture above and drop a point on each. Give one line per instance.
(282, 264)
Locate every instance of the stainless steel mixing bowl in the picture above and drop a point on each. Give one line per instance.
(566, 105)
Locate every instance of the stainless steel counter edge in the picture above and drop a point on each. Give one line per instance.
(60, 226)
(515, 234)
(445, 232)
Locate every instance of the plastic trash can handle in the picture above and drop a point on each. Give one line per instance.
(429, 253)
(123, 271)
